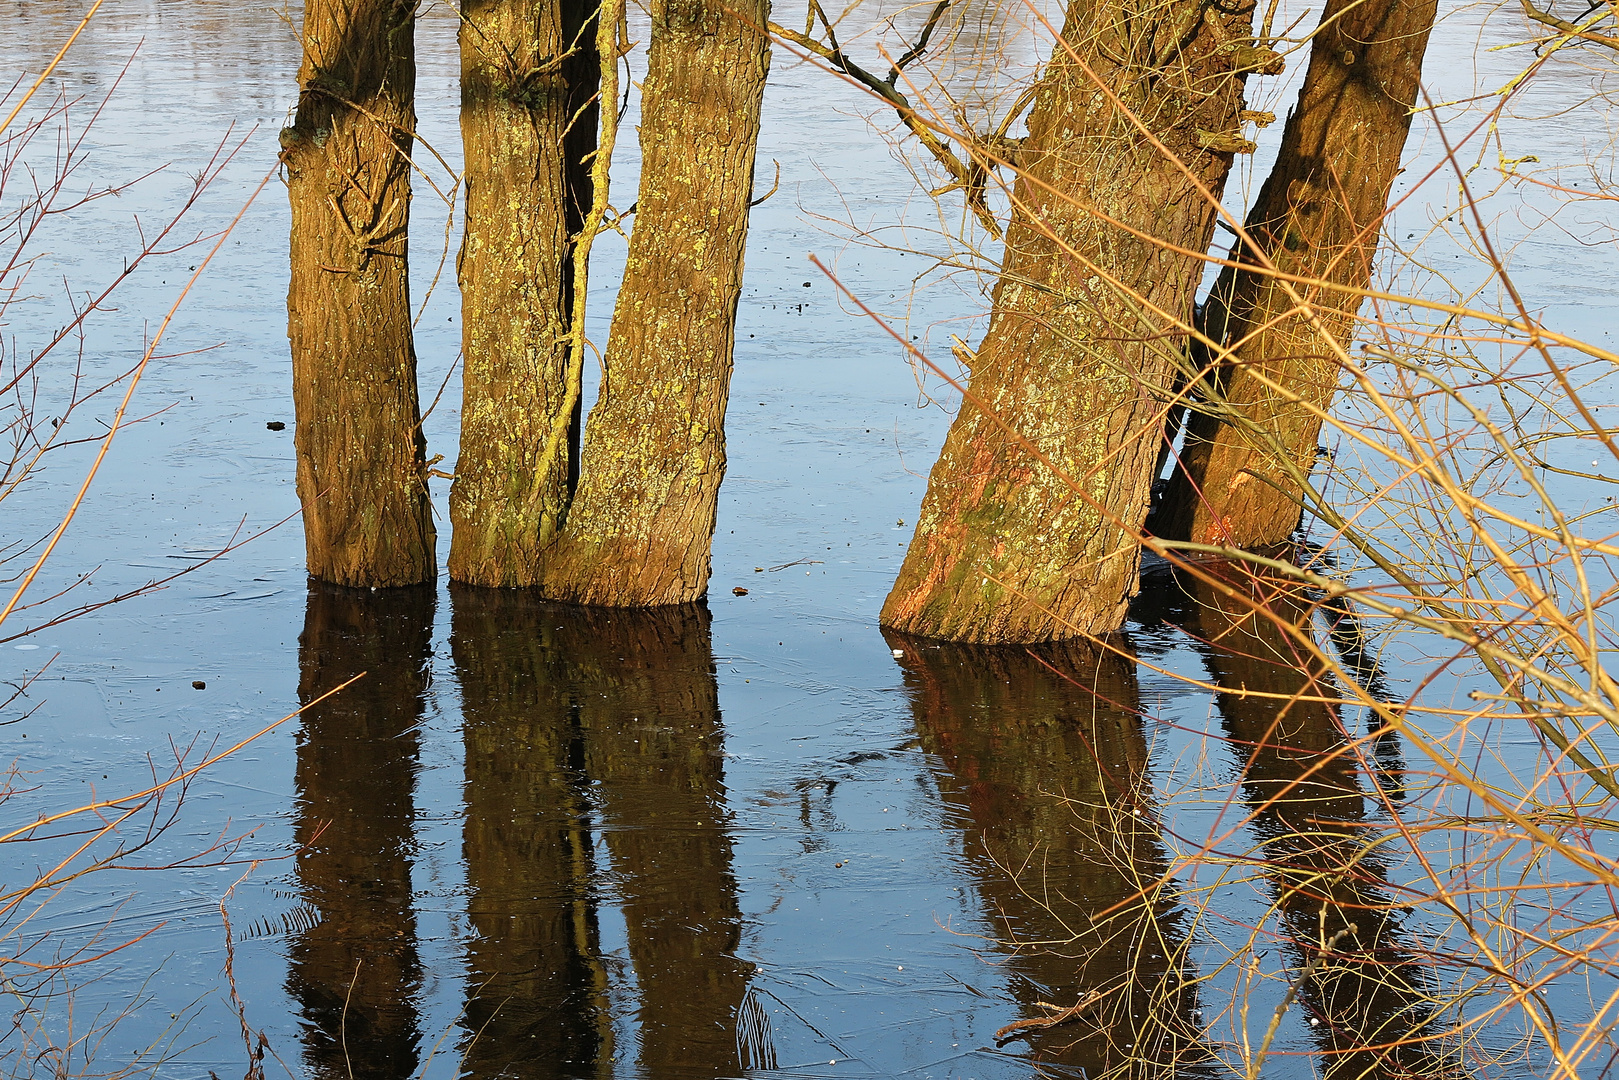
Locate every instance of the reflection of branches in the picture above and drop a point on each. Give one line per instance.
(140, 590)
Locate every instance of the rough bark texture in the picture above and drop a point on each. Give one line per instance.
(527, 123)
(591, 732)
(1077, 364)
(361, 470)
(1300, 778)
(353, 962)
(1044, 761)
(639, 529)
(1318, 216)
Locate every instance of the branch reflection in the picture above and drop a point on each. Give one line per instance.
(355, 971)
(591, 728)
(1045, 757)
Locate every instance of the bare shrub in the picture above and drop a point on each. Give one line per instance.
(1414, 691)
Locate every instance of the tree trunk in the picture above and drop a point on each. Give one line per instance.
(1087, 325)
(639, 529)
(527, 122)
(361, 469)
(1243, 466)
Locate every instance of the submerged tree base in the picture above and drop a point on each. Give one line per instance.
(362, 471)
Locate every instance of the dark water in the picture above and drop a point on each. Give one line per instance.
(754, 837)
(595, 792)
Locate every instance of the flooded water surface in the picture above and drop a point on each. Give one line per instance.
(751, 837)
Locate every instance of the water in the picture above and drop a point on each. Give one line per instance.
(756, 836)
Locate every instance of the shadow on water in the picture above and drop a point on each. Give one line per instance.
(593, 737)
(1360, 979)
(354, 969)
(1044, 757)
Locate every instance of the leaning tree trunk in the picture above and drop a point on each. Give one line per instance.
(1243, 467)
(529, 73)
(361, 470)
(1089, 315)
(639, 529)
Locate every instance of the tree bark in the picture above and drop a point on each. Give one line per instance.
(361, 468)
(529, 73)
(1089, 317)
(639, 529)
(1242, 469)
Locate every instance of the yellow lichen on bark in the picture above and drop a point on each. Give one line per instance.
(639, 529)
(529, 71)
(1031, 534)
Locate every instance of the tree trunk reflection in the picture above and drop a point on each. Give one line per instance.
(1365, 1000)
(355, 971)
(588, 729)
(1045, 759)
